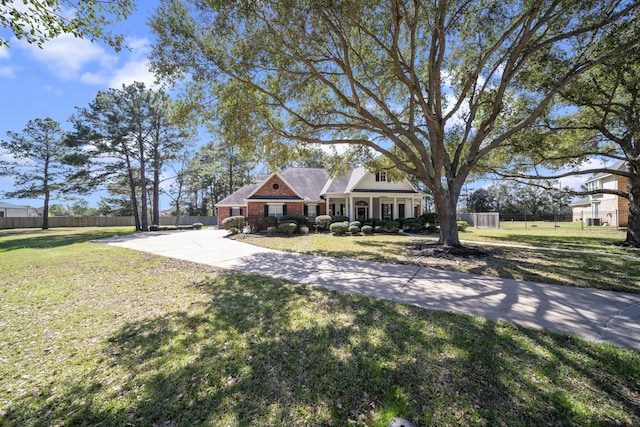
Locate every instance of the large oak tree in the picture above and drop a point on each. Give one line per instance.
(432, 86)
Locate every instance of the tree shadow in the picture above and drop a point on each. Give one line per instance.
(265, 352)
(44, 239)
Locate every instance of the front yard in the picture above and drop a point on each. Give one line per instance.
(98, 335)
(601, 270)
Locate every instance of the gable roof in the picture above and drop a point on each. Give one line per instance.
(345, 183)
(5, 205)
(308, 182)
(237, 197)
(620, 165)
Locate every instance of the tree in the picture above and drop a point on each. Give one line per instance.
(606, 125)
(40, 163)
(37, 21)
(132, 128)
(434, 87)
(481, 201)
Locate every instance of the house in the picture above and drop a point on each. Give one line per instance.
(604, 209)
(9, 210)
(358, 195)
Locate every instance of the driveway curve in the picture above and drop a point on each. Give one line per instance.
(596, 315)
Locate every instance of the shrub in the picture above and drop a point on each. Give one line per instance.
(353, 229)
(323, 221)
(413, 225)
(430, 218)
(154, 227)
(234, 230)
(378, 229)
(373, 221)
(300, 220)
(233, 221)
(339, 218)
(393, 226)
(367, 229)
(356, 223)
(259, 223)
(271, 231)
(197, 225)
(287, 228)
(431, 229)
(339, 228)
(304, 230)
(462, 225)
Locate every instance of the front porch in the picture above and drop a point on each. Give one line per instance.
(359, 207)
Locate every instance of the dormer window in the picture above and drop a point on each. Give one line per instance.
(381, 176)
(592, 185)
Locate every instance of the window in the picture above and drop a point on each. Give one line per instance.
(592, 185)
(381, 176)
(236, 211)
(275, 186)
(311, 211)
(276, 210)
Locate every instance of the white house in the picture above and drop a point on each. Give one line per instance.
(604, 209)
(8, 210)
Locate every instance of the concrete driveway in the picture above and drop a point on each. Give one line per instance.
(611, 317)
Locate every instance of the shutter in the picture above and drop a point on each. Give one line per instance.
(284, 210)
(266, 210)
(333, 209)
(230, 211)
(240, 211)
(306, 210)
(377, 176)
(317, 210)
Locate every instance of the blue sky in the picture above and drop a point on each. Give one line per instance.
(67, 73)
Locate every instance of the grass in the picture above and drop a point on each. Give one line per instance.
(98, 335)
(603, 270)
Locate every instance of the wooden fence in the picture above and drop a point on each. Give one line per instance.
(481, 219)
(98, 221)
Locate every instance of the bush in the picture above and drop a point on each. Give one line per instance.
(300, 220)
(430, 218)
(323, 221)
(259, 223)
(339, 218)
(413, 225)
(154, 227)
(271, 231)
(431, 229)
(354, 229)
(287, 228)
(393, 226)
(378, 229)
(356, 223)
(304, 230)
(233, 222)
(339, 228)
(197, 225)
(373, 221)
(462, 225)
(367, 229)
(234, 230)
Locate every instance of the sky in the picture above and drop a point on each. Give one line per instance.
(66, 73)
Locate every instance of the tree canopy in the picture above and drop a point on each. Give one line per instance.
(431, 86)
(37, 21)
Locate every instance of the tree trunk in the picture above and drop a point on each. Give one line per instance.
(45, 212)
(144, 219)
(155, 215)
(633, 226)
(132, 194)
(446, 207)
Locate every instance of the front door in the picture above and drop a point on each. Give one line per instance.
(361, 213)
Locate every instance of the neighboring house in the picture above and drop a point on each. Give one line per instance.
(9, 210)
(357, 195)
(604, 209)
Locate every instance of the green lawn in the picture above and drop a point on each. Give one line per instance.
(98, 335)
(599, 268)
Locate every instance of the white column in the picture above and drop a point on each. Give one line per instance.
(350, 208)
(371, 206)
(394, 214)
(326, 210)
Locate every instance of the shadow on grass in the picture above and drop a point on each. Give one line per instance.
(52, 238)
(263, 352)
(580, 270)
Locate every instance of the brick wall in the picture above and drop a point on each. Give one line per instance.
(267, 189)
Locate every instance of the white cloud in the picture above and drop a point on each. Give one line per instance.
(133, 71)
(7, 72)
(4, 52)
(66, 55)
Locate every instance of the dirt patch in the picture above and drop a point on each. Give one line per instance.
(466, 259)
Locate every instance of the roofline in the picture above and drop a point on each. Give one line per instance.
(283, 180)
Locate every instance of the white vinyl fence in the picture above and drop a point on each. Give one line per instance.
(98, 221)
(481, 219)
